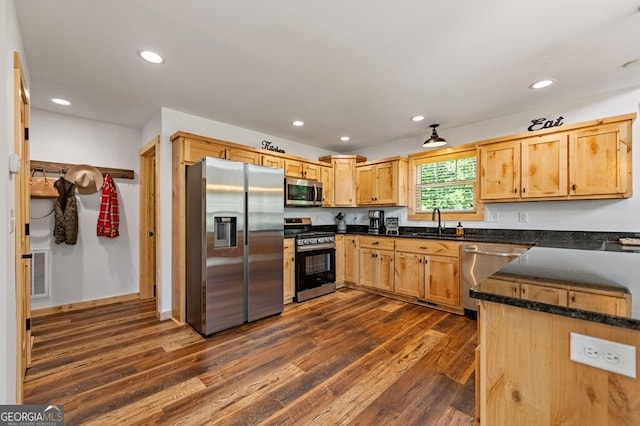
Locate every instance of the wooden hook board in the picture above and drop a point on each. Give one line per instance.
(61, 168)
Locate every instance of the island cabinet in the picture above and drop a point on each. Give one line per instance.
(341, 180)
(289, 270)
(340, 260)
(382, 182)
(596, 298)
(376, 262)
(351, 259)
(429, 270)
(587, 161)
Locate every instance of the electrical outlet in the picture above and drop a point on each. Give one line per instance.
(604, 354)
(491, 217)
(523, 217)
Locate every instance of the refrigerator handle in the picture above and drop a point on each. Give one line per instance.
(246, 218)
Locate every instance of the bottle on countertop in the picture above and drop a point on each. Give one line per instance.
(459, 230)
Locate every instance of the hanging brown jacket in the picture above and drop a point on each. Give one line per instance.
(65, 211)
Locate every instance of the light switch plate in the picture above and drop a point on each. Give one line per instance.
(605, 354)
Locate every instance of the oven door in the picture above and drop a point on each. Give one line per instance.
(315, 268)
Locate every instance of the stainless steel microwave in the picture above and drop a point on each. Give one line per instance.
(302, 192)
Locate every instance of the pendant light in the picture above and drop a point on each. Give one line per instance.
(434, 140)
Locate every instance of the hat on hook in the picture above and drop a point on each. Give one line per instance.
(87, 178)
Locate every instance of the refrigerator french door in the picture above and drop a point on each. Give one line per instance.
(234, 240)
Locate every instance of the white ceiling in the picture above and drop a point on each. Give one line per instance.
(345, 67)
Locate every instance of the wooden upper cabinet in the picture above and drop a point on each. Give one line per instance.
(195, 150)
(544, 166)
(272, 161)
(599, 158)
(500, 171)
(244, 156)
(585, 161)
(326, 177)
(302, 170)
(344, 178)
(382, 183)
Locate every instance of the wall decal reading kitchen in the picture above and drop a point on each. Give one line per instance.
(269, 146)
(543, 123)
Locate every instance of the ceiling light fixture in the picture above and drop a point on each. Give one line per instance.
(417, 118)
(152, 57)
(434, 140)
(344, 138)
(60, 101)
(542, 83)
(298, 123)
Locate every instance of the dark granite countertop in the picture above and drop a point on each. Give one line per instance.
(578, 269)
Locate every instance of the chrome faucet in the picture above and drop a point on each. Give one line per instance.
(433, 217)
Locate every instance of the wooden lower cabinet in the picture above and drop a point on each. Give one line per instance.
(289, 269)
(442, 280)
(409, 274)
(340, 260)
(603, 303)
(544, 294)
(351, 259)
(376, 268)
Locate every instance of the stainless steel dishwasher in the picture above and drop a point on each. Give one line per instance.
(481, 260)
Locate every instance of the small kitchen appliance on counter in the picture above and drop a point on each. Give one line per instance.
(391, 226)
(376, 221)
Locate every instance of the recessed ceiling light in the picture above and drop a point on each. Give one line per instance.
(344, 138)
(417, 118)
(298, 123)
(542, 83)
(152, 57)
(631, 64)
(60, 101)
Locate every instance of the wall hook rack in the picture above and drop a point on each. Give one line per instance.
(61, 168)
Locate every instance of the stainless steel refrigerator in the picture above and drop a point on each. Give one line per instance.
(234, 243)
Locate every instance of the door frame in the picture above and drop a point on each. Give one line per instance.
(149, 218)
(22, 212)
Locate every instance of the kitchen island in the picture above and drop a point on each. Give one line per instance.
(524, 371)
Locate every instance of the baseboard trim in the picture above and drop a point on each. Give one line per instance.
(163, 316)
(35, 313)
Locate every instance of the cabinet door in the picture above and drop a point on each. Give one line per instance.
(364, 185)
(602, 303)
(244, 156)
(352, 259)
(597, 161)
(327, 186)
(386, 183)
(385, 270)
(501, 287)
(311, 171)
(289, 270)
(293, 168)
(544, 166)
(344, 179)
(500, 171)
(340, 259)
(442, 280)
(409, 274)
(538, 293)
(195, 150)
(368, 267)
(272, 161)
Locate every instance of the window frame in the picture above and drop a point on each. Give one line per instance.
(436, 156)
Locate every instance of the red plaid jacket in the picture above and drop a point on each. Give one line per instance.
(109, 216)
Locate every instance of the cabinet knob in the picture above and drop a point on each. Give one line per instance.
(376, 243)
(515, 190)
(573, 187)
(524, 190)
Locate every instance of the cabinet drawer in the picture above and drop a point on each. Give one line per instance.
(538, 293)
(439, 247)
(501, 287)
(602, 303)
(382, 243)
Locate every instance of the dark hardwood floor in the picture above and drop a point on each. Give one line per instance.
(345, 358)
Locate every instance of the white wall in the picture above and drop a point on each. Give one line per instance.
(95, 267)
(588, 215)
(10, 41)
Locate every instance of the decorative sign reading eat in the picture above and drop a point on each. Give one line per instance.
(269, 146)
(543, 123)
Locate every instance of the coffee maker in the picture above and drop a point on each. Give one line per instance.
(376, 221)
